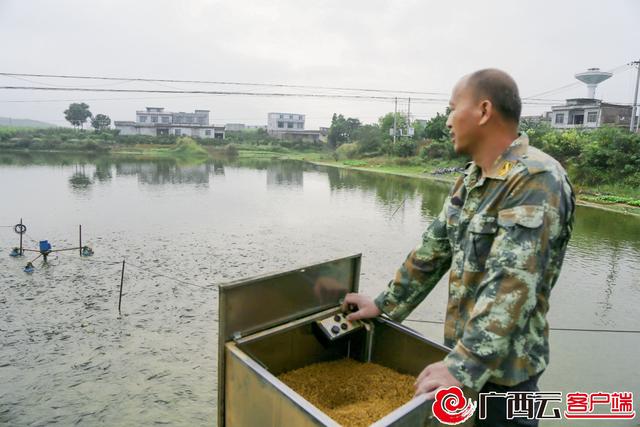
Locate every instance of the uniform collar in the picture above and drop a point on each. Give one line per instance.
(503, 163)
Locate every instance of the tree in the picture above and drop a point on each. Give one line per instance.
(342, 130)
(536, 130)
(386, 123)
(436, 127)
(369, 139)
(100, 122)
(77, 114)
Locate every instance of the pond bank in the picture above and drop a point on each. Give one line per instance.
(426, 172)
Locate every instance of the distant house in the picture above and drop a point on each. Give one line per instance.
(285, 122)
(154, 121)
(589, 113)
(290, 126)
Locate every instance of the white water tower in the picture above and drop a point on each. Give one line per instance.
(592, 77)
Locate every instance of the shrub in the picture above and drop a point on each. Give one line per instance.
(347, 151)
(404, 148)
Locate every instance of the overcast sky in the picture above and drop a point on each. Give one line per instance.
(398, 45)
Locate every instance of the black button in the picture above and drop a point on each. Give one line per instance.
(335, 329)
(344, 326)
(337, 318)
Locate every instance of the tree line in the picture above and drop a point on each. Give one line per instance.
(607, 155)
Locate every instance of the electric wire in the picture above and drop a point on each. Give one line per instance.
(221, 93)
(148, 270)
(618, 331)
(246, 93)
(231, 83)
(184, 282)
(623, 67)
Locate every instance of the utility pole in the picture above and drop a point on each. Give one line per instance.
(409, 114)
(635, 101)
(395, 114)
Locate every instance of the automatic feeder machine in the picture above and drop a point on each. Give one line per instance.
(274, 324)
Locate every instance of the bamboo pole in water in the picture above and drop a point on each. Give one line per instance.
(121, 282)
(20, 236)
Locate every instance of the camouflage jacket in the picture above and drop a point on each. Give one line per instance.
(504, 237)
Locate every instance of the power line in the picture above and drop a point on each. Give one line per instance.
(623, 67)
(219, 92)
(281, 85)
(259, 84)
(241, 93)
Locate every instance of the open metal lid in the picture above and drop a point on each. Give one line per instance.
(255, 304)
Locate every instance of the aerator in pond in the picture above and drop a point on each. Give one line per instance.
(45, 248)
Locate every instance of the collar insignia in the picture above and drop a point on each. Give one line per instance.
(504, 169)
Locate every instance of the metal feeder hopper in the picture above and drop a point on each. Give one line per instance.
(273, 324)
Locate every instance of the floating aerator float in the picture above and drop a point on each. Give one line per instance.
(45, 248)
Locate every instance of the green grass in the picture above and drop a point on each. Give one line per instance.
(623, 190)
(187, 147)
(609, 199)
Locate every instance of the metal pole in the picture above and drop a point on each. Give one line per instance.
(20, 236)
(80, 247)
(121, 282)
(395, 113)
(635, 99)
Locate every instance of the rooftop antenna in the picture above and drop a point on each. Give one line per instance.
(592, 78)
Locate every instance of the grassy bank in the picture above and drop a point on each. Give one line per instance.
(622, 199)
(184, 148)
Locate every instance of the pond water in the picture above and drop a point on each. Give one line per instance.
(66, 356)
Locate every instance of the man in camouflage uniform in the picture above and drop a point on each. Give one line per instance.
(502, 232)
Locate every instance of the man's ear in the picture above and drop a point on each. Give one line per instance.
(486, 111)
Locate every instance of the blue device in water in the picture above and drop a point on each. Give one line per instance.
(45, 246)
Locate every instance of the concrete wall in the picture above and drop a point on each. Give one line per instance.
(128, 128)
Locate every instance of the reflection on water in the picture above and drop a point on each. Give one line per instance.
(161, 173)
(65, 356)
(79, 180)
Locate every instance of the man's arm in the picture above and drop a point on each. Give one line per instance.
(532, 218)
(419, 273)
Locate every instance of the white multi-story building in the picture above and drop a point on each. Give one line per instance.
(154, 121)
(290, 126)
(283, 122)
(589, 113)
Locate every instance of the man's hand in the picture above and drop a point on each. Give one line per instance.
(366, 307)
(432, 378)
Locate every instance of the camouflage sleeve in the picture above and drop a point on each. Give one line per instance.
(419, 273)
(528, 221)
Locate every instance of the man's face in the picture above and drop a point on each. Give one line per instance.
(464, 117)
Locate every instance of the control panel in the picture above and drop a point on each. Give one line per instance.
(337, 325)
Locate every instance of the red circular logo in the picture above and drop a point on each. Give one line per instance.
(451, 407)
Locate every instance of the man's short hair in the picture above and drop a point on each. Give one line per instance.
(500, 89)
